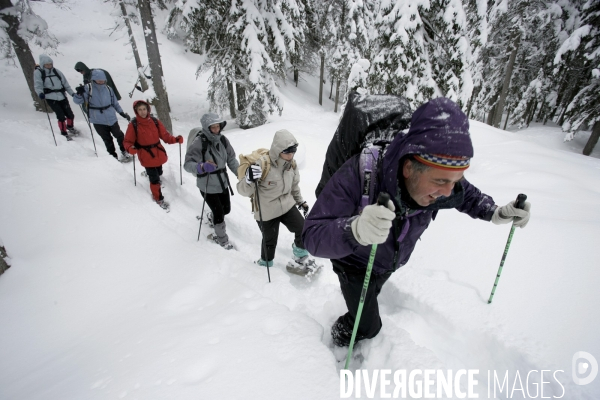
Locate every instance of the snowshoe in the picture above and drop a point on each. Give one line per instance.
(164, 205)
(66, 135)
(304, 266)
(73, 131)
(213, 238)
(125, 157)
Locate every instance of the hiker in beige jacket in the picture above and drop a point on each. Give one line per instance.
(279, 195)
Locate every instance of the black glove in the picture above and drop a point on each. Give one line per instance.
(80, 90)
(304, 208)
(125, 115)
(42, 96)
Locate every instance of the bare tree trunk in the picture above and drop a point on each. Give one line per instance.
(507, 117)
(506, 84)
(337, 95)
(321, 77)
(136, 54)
(22, 51)
(296, 76)
(331, 89)
(231, 98)
(161, 101)
(589, 147)
(490, 116)
(241, 97)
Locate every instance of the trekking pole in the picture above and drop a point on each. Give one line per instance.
(134, 177)
(89, 126)
(180, 170)
(382, 200)
(48, 115)
(519, 203)
(262, 230)
(203, 203)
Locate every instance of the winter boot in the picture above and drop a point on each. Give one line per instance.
(302, 264)
(156, 192)
(263, 263)
(220, 236)
(125, 157)
(340, 333)
(70, 124)
(300, 255)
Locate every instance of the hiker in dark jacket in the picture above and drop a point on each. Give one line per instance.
(422, 171)
(50, 84)
(103, 107)
(208, 156)
(87, 77)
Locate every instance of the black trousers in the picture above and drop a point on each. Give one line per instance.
(351, 282)
(292, 220)
(105, 131)
(154, 174)
(219, 203)
(62, 108)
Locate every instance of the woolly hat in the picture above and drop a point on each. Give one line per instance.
(442, 118)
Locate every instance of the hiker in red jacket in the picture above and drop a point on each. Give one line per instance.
(143, 138)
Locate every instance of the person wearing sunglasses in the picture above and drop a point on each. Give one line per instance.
(279, 198)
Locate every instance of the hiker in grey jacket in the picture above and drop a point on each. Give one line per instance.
(102, 105)
(208, 156)
(279, 194)
(50, 84)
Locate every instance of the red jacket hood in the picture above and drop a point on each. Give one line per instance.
(135, 103)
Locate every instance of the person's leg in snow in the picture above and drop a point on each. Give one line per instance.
(351, 282)
(220, 205)
(115, 129)
(104, 132)
(56, 106)
(270, 231)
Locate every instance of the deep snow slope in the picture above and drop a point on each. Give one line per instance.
(110, 297)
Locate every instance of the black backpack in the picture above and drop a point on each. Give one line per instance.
(43, 72)
(368, 124)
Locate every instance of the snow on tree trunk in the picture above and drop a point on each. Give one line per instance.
(506, 84)
(161, 99)
(22, 51)
(136, 54)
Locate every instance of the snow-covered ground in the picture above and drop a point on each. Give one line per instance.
(110, 297)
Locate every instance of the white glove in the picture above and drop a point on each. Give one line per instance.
(373, 225)
(253, 173)
(509, 213)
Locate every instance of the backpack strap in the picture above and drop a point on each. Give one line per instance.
(369, 161)
(151, 146)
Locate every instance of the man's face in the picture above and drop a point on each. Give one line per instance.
(425, 187)
(215, 128)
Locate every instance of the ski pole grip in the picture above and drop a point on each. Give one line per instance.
(520, 202)
(383, 199)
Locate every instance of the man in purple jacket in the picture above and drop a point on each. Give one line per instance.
(422, 171)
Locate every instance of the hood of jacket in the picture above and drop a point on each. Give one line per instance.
(98, 75)
(82, 67)
(135, 103)
(281, 141)
(211, 119)
(437, 127)
(45, 59)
